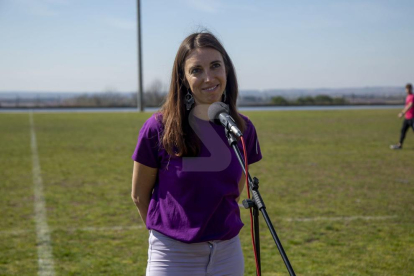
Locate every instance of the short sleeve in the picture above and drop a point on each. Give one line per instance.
(147, 148)
(252, 143)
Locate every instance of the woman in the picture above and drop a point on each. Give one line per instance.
(408, 113)
(186, 179)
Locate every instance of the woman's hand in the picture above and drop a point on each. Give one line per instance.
(242, 182)
(143, 181)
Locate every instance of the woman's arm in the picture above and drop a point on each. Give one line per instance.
(242, 183)
(405, 109)
(143, 181)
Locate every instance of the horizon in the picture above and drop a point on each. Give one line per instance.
(346, 90)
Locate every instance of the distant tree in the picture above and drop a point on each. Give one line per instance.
(106, 99)
(154, 96)
(308, 100)
(81, 100)
(111, 97)
(280, 101)
(320, 100)
(339, 101)
(323, 100)
(133, 99)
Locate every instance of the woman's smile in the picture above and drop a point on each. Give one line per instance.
(211, 88)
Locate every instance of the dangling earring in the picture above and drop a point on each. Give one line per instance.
(224, 96)
(189, 100)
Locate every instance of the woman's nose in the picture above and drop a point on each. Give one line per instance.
(208, 76)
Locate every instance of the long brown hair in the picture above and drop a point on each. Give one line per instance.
(409, 86)
(179, 139)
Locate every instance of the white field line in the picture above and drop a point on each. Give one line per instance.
(44, 248)
(126, 228)
(17, 232)
(341, 218)
(110, 228)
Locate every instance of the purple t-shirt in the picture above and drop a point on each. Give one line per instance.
(194, 197)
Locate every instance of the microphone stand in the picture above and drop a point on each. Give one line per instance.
(258, 205)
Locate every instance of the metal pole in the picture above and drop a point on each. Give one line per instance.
(140, 98)
(257, 236)
(258, 201)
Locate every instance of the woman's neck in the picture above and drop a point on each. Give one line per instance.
(201, 111)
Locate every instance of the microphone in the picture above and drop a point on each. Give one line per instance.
(218, 113)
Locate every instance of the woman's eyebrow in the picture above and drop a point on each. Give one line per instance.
(198, 65)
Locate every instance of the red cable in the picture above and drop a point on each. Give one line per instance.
(248, 195)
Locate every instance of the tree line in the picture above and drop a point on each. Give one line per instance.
(309, 100)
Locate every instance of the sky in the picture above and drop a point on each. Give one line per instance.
(91, 46)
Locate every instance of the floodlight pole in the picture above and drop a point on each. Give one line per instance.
(140, 98)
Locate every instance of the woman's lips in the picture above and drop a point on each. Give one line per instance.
(211, 88)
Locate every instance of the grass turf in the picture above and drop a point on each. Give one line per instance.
(333, 166)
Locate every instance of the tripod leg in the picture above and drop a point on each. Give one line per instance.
(257, 236)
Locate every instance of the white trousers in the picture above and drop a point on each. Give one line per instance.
(169, 257)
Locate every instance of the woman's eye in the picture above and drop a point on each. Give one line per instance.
(215, 65)
(195, 71)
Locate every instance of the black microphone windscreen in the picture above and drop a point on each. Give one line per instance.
(215, 109)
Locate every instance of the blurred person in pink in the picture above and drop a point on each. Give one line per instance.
(408, 113)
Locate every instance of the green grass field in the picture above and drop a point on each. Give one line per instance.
(341, 201)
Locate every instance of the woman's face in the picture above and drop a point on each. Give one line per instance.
(206, 75)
